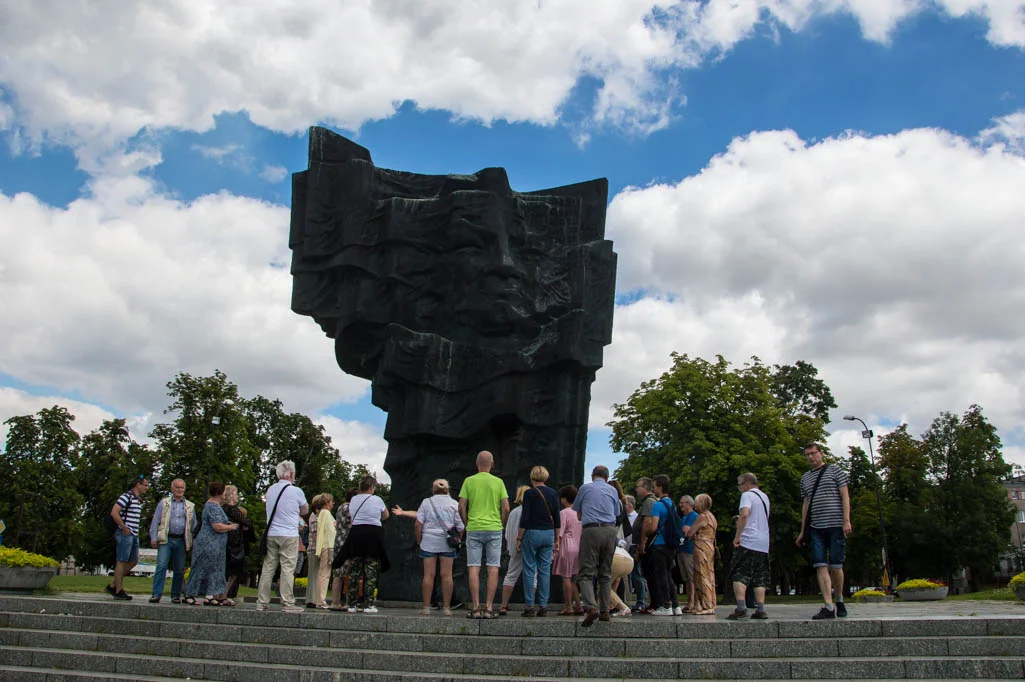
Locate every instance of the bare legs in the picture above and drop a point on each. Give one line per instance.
(830, 580)
(572, 596)
(120, 571)
(427, 584)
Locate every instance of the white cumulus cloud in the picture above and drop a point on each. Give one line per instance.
(126, 286)
(273, 174)
(358, 443)
(892, 263)
(93, 73)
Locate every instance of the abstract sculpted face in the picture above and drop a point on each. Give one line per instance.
(380, 253)
(469, 264)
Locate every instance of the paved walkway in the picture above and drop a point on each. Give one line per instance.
(945, 609)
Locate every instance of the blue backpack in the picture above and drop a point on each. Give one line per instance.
(672, 526)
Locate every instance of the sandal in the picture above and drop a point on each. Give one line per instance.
(446, 611)
(191, 601)
(154, 600)
(226, 602)
(475, 613)
(176, 600)
(488, 614)
(566, 612)
(424, 612)
(211, 602)
(504, 611)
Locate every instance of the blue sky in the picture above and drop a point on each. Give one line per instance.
(788, 180)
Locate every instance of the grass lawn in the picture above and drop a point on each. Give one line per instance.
(133, 585)
(997, 593)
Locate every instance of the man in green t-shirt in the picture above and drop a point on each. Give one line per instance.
(484, 506)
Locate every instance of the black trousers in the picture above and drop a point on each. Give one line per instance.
(656, 564)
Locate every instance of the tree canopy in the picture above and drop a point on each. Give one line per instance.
(58, 486)
(704, 423)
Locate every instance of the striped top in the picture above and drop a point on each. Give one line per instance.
(826, 509)
(131, 511)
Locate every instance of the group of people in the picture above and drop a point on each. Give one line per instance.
(217, 539)
(594, 538)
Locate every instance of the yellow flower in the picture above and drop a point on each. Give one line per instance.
(918, 584)
(16, 558)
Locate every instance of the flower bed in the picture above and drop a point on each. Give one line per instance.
(21, 570)
(1017, 585)
(922, 590)
(871, 596)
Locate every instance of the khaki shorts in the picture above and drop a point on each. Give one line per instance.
(685, 562)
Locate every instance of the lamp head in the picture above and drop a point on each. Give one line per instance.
(850, 417)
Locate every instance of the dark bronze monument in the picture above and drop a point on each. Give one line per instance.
(478, 313)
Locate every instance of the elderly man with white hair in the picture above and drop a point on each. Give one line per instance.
(286, 503)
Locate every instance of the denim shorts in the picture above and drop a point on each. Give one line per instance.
(827, 538)
(431, 555)
(127, 547)
(486, 544)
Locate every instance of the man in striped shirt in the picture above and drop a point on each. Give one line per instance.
(127, 512)
(826, 522)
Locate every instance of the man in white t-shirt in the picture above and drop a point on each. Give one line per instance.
(750, 564)
(282, 538)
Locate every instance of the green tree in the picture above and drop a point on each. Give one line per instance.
(208, 438)
(863, 565)
(971, 506)
(703, 423)
(907, 504)
(107, 466)
(40, 502)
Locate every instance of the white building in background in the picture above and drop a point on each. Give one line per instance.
(1014, 561)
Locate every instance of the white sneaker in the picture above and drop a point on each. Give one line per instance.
(370, 609)
(351, 609)
(622, 614)
(261, 607)
(678, 611)
(662, 611)
(292, 609)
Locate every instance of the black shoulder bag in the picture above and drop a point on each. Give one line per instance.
(811, 500)
(263, 540)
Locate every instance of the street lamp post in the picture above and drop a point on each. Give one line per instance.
(215, 421)
(868, 435)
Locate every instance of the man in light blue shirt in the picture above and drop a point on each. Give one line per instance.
(598, 507)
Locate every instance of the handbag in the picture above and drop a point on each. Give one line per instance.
(263, 538)
(452, 535)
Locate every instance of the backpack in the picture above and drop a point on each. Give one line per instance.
(108, 521)
(672, 527)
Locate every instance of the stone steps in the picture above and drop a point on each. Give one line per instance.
(256, 644)
(297, 663)
(50, 639)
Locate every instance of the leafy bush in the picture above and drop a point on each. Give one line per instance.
(301, 582)
(17, 558)
(919, 584)
(1017, 581)
(867, 593)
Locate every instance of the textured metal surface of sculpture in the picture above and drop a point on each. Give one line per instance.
(478, 313)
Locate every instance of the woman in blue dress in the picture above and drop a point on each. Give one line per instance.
(206, 577)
